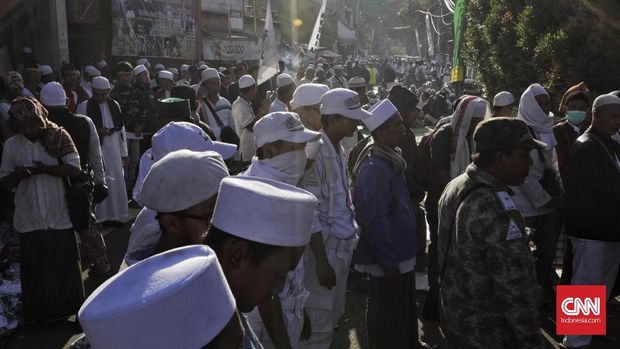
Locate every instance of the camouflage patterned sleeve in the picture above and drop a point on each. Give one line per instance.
(509, 262)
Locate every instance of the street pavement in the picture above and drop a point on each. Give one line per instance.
(350, 334)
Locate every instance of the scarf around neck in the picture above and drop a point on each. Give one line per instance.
(391, 155)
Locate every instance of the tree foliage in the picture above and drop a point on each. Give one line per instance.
(513, 43)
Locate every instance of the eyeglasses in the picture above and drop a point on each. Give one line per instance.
(205, 218)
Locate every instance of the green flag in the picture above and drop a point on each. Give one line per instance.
(457, 64)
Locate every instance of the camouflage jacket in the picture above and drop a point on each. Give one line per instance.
(133, 106)
(489, 294)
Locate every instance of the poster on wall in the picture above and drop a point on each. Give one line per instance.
(154, 28)
(231, 49)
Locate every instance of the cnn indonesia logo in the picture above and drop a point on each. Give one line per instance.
(581, 310)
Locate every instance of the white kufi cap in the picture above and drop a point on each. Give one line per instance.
(182, 179)
(175, 299)
(284, 80)
(503, 99)
(282, 126)
(246, 81)
(357, 81)
(381, 112)
(210, 73)
(164, 74)
(139, 69)
(53, 95)
(159, 66)
(265, 211)
(606, 99)
(342, 101)
(100, 83)
(45, 69)
(308, 94)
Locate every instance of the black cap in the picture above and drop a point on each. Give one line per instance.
(403, 99)
(504, 132)
(124, 67)
(174, 108)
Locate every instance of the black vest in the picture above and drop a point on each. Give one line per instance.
(94, 112)
(77, 127)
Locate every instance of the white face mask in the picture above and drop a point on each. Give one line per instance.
(292, 163)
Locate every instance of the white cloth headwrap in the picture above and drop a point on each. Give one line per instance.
(533, 115)
(460, 121)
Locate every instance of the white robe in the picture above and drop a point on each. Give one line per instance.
(113, 148)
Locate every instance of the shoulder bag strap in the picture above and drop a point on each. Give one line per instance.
(215, 116)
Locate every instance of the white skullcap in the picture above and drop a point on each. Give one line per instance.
(503, 99)
(95, 72)
(184, 67)
(381, 112)
(130, 14)
(175, 299)
(201, 63)
(100, 83)
(481, 108)
(308, 94)
(53, 95)
(310, 68)
(139, 70)
(338, 67)
(174, 71)
(319, 69)
(342, 101)
(203, 66)
(102, 64)
(606, 99)
(210, 73)
(89, 69)
(284, 80)
(142, 61)
(282, 126)
(182, 179)
(221, 69)
(357, 81)
(159, 66)
(320, 60)
(45, 70)
(164, 74)
(246, 81)
(180, 135)
(265, 211)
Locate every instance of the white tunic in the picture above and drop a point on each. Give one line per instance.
(224, 112)
(244, 116)
(278, 106)
(40, 202)
(113, 148)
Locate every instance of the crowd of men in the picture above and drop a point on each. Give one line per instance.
(258, 200)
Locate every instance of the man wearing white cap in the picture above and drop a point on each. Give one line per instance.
(185, 77)
(308, 77)
(281, 139)
(307, 102)
(244, 117)
(84, 134)
(176, 212)
(257, 252)
(338, 80)
(215, 110)
(165, 82)
(387, 247)
(47, 75)
(156, 69)
(504, 104)
(175, 74)
(592, 202)
(358, 84)
(286, 87)
(14, 83)
(106, 115)
(89, 73)
(176, 299)
(321, 78)
(327, 262)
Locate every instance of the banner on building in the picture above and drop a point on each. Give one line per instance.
(268, 64)
(315, 38)
(231, 49)
(154, 28)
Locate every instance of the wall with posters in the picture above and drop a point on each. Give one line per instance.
(154, 28)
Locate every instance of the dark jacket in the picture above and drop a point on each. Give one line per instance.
(593, 189)
(77, 127)
(566, 136)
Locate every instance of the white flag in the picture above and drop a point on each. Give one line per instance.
(268, 66)
(316, 33)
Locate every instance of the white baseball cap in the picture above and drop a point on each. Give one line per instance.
(175, 299)
(265, 211)
(182, 179)
(45, 70)
(308, 94)
(284, 80)
(100, 83)
(164, 74)
(246, 81)
(53, 95)
(503, 99)
(139, 70)
(342, 101)
(185, 135)
(381, 112)
(210, 73)
(282, 126)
